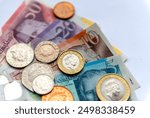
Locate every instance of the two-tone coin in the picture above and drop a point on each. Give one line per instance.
(59, 93)
(20, 55)
(64, 10)
(46, 51)
(42, 84)
(34, 70)
(70, 62)
(113, 87)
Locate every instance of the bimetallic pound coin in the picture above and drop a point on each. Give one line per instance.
(113, 87)
(46, 51)
(34, 70)
(70, 62)
(42, 84)
(64, 10)
(59, 93)
(20, 55)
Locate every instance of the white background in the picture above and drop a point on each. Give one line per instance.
(126, 23)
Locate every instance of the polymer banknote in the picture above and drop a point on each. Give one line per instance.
(83, 85)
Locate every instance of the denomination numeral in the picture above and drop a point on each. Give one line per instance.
(33, 10)
(66, 30)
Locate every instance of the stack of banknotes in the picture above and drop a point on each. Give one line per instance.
(34, 22)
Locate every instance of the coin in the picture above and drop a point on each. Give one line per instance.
(19, 55)
(42, 84)
(70, 62)
(64, 10)
(113, 87)
(34, 70)
(59, 93)
(46, 51)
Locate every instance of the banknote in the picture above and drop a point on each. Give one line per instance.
(15, 91)
(85, 23)
(81, 21)
(83, 85)
(26, 23)
(57, 32)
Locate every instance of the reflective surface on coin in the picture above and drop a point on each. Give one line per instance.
(34, 70)
(43, 84)
(113, 88)
(19, 55)
(46, 51)
(64, 10)
(59, 93)
(70, 62)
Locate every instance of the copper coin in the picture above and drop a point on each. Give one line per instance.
(64, 10)
(59, 93)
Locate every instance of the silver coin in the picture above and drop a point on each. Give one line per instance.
(43, 84)
(20, 55)
(34, 70)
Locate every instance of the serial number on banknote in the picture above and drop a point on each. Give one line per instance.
(106, 110)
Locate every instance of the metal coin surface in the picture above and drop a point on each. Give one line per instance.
(20, 55)
(64, 10)
(113, 87)
(46, 51)
(70, 62)
(34, 70)
(59, 93)
(43, 84)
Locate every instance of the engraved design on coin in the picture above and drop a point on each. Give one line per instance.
(46, 51)
(43, 84)
(112, 87)
(70, 62)
(59, 93)
(19, 55)
(64, 10)
(34, 70)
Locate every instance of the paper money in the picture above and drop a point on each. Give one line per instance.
(57, 32)
(85, 23)
(83, 85)
(25, 24)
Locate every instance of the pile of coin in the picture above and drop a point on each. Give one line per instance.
(68, 71)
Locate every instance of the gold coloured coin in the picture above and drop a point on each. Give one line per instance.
(46, 51)
(113, 87)
(59, 93)
(70, 62)
(64, 10)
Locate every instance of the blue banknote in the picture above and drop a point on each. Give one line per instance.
(83, 85)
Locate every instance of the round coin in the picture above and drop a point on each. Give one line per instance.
(34, 70)
(59, 93)
(46, 51)
(20, 55)
(42, 84)
(70, 62)
(64, 10)
(113, 87)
